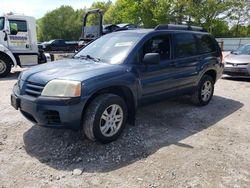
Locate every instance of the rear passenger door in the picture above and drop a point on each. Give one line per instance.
(186, 59)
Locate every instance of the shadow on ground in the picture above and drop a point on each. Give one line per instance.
(239, 79)
(158, 125)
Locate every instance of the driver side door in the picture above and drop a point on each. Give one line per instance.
(157, 79)
(18, 38)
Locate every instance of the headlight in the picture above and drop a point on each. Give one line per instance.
(62, 88)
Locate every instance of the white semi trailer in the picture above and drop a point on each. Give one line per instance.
(18, 43)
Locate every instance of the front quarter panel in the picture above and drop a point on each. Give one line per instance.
(6, 51)
(123, 78)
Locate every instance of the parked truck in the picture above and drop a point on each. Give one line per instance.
(18, 43)
(92, 32)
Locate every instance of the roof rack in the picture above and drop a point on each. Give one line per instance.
(179, 27)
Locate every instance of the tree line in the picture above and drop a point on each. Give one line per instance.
(222, 18)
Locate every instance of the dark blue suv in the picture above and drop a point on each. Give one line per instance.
(100, 88)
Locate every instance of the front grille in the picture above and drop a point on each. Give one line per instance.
(33, 89)
(233, 71)
(237, 64)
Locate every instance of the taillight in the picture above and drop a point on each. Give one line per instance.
(221, 58)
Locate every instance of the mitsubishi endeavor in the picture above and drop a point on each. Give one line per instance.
(100, 88)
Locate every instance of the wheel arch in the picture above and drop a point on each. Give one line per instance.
(124, 92)
(211, 73)
(6, 53)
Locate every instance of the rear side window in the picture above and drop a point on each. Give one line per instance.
(205, 44)
(185, 45)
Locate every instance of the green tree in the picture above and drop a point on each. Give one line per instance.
(123, 11)
(62, 22)
(104, 6)
(214, 15)
(239, 16)
(206, 12)
(220, 28)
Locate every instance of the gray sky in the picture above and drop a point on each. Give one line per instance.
(38, 8)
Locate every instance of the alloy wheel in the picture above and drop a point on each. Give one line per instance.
(206, 91)
(111, 120)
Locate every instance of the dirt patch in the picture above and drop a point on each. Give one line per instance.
(173, 144)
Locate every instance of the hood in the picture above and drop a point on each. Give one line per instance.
(233, 58)
(70, 69)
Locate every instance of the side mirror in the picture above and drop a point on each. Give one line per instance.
(151, 58)
(5, 36)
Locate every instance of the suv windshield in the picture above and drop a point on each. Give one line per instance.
(1, 23)
(243, 50)
(111, 48)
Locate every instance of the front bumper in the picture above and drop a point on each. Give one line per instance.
(50, 111)
(237, 70)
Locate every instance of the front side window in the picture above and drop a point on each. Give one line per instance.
(160, 45)
(185, 45)
(17, 26)
(1, 23)
(111, 48)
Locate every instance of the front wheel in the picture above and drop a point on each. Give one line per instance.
(105, 118)
(204, 91)
(5, 66)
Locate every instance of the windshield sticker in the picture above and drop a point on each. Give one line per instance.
(124, 44)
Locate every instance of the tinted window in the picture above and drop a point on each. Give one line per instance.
(1, 23)
(185, 45)
(205, 44)
(18, 25)
(58, 42)
(159, 44)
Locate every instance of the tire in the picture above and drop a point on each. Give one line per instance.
(99, 123)
(5, 66)
(204, 91)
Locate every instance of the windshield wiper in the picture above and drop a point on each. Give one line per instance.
(88, 57)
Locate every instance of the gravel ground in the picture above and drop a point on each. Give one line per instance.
(173, 144)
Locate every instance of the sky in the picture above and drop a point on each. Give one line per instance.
(38, 8)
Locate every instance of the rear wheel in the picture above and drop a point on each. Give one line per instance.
(105, 118)
(204, 91)
(5, 66)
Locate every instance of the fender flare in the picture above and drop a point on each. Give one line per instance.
(7, 52)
